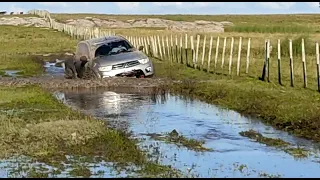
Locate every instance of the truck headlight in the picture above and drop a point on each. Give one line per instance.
(144, 61)
(105, 68)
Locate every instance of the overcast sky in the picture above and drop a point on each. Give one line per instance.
(166, 7)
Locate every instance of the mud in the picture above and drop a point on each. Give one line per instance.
(59, 82)
(53, 78)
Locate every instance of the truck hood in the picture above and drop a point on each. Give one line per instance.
(120, 58)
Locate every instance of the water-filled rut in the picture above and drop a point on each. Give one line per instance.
(232, 155)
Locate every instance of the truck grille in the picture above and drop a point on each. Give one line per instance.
(125, 65)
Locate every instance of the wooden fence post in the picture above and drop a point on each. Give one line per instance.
(171, 49)
(216, 57)
(239, 56)
(197, 51)
(291, 64)
(146, 47)
(203, 51)
(230, 59)
(156, 46)
(223, 51)
(209, 56)
(160, 48)
(192, 50)
(318, 65)
(176, 48)
(268, 60)
(163, 48)
(168, 48)
(248, 56)
(279, 62)
(304, 64)
(149, 46)
(181, 61)
(186, 50)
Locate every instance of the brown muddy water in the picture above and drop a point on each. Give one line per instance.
(232, 155)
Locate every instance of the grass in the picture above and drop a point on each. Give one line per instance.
(279, 143)
(36, 125)
(297, 152)
(264, 140)
(256, 60)
(297, 23)
(271, 29)
(80, 171)
(19, 45)
(175, 138)
(290, 109)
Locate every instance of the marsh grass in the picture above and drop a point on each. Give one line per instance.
(264, 140)
(297, 152)
(278, 143)
(180, 140)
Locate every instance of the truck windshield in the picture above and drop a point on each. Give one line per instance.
(114, 47)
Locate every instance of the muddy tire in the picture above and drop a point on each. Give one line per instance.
(68, 74)
(88, 73)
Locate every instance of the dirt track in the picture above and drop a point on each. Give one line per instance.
(62, 83)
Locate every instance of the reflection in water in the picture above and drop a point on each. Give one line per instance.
(219, 128)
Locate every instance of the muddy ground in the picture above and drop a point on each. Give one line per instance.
(62, 83)
(53, 78)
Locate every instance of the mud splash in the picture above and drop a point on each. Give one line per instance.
(233, 155)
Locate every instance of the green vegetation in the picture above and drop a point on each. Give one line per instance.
(19, 45)
(296, 152)
(180, 140)
(80, 171)
(270, 29)
(264, 140)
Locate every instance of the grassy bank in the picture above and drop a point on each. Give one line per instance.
(291, 109)
(36, 125)
(18, 44)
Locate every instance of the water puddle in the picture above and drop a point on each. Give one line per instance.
(232, 155)
(10, 73)
(53, 69)
(19, 167)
